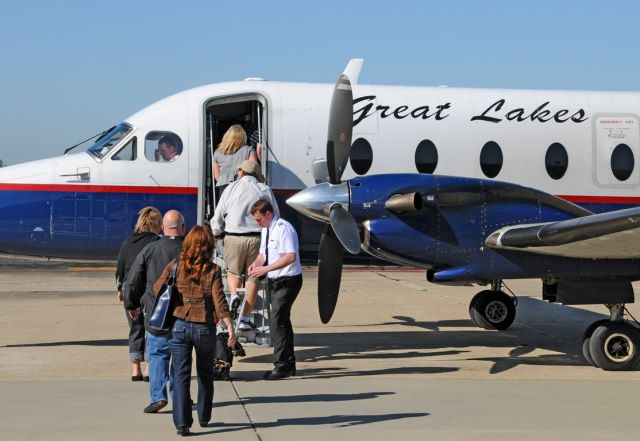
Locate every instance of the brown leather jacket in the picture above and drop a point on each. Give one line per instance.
(200, 302)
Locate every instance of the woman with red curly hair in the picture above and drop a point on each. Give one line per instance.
(201, 303)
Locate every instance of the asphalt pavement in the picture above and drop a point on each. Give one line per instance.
(400, 358)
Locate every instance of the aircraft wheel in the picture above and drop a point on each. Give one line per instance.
(494, 310)
(472, 305)
(586, 338)
(615, 346)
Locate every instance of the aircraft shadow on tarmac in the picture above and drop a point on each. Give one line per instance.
(539, 325)
(330, 420)
(308, 398)
(112, 342)
(336, 420)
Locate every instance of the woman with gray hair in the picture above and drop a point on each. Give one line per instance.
(147, 229)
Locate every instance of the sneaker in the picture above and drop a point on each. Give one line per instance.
(246, 325)
(235, 303)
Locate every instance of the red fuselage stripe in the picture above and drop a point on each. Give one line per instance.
(631, 200)
(99, 188)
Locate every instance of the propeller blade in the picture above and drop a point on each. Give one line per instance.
(340, 129)
(346, 229)
(329, 273)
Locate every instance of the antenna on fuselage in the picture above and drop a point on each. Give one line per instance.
(100, 135)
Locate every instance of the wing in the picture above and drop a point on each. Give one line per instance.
(612, 235)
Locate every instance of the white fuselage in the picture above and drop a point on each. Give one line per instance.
(393, 120)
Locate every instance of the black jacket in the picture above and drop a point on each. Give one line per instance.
(128, 252)
(146, 269)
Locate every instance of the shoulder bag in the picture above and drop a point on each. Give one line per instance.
(161, 318)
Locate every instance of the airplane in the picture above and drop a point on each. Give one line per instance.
(576, 148)
(477, 230)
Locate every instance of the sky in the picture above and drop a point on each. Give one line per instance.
(69, 69)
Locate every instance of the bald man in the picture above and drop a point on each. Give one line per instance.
(138, 294)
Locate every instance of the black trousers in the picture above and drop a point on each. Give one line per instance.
(284, 291)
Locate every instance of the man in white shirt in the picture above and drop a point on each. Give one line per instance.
(241, 234)
(279, 260)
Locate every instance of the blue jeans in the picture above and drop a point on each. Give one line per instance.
(160, 373)
(187, 336)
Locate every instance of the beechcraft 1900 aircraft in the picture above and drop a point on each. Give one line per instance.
(473, 185)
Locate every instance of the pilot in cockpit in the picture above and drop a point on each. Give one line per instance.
(167, 150)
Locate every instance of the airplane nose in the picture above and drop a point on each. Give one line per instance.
(316, 201)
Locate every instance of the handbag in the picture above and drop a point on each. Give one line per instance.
(161, 318)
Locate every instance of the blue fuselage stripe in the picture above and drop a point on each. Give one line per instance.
(93, 225)
(78, 224)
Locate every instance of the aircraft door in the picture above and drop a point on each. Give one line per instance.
(616, 150)
(247, 110)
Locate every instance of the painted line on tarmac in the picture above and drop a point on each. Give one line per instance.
(346, 270)
(370, 269)
(382, 270)
(91, 268)
(246, 411)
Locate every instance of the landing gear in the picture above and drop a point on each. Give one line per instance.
(492, 309)
(612, 345)
(586, 338)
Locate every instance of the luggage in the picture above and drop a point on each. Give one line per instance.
(223, 357)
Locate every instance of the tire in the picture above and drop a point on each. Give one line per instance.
(472, 304)
(615, 346)
(494, 310)
(586, 337)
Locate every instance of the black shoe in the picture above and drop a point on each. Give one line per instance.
(145, 378)
(183, 431)
(155, 407)
(279, 374)
(221, 374)
(203, 423)
(137, 378)
(238, 350)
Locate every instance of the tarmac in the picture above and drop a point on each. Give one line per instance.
(400, 359)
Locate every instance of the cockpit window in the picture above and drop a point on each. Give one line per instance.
(108, 141)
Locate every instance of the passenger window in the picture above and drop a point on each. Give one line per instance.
(426, 157)
(162, 146)
(491, 159)
(622, 162)
(556, 160)
(127, 153)
(361, 156)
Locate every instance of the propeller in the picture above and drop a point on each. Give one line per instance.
(330, 201)
(342, 230)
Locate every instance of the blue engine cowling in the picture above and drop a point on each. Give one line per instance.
(446, 233)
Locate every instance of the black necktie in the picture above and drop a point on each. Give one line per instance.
(266, 249)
